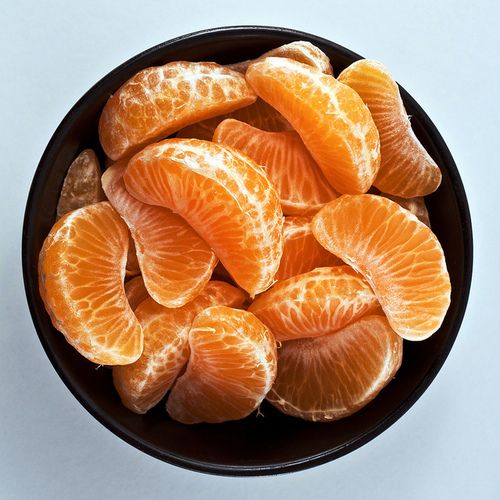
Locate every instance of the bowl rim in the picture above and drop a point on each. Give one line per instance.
(286, 466)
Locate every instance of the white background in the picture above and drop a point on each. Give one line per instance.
(446, 54)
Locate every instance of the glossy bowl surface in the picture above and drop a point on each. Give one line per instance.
(274, 443)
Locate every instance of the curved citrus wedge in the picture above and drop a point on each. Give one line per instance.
(231, 368)
(259, 114)
(223, 195)
(301, 251)
(136, 291)
(415, 205)
(330, 117)
(406, 169)
(160, 100)
(300, 51)
(314, 303)
(331, 377)
(81, 270)
(82, 184)
(399, 256)
(141, 385)
(175, 262)
(301, 185)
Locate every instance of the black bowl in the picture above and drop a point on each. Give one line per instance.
(257, 445)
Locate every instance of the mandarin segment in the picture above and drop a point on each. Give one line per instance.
(415, 205)
(331, 377)
(301, 251)
(332, 120)
(314, 303)
(176, 264)
(135, 291)
(259, 114)
(231, 368)
(160, 100)
(223, 195)
(301, 185)
(300, 51)
(141, 385)
(406, 169)
(82, 184)
(399, 256)
(81, 273)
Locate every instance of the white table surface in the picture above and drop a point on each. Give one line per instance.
(445, 53)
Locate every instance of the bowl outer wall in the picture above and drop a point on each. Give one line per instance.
(256, 445)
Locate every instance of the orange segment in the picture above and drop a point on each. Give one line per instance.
(301, 51)
(331, 377)
(415, 205)
(223, 195)
(176, 263)
(143, 384)
(161, 100)
(301, 251)
(406, 169)
(82, 184)
(299, 181)
(259, 114)
(136, 291)
(231, 368)
(399, 256)
(314, 303)
(330, 117)
(81, 272)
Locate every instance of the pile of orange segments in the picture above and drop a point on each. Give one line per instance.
(230, 252)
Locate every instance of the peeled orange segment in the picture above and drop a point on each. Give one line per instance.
(136, 292)
(314, 303)
(301, 251)
(415, 205)
(175, 262)
(301, 185)
(231, 368)
(132, 268)
(301, 51)
(223, 195)
(259, 114)
(398, 255)
(333, 376)
(141, 385)
(82, 184)
(81, 269)
(406, 169)
(330, 117)
(160, 100)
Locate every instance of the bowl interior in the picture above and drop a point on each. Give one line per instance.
(257, 445)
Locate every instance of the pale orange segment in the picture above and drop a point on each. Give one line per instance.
(301, 185)
(399, 256)
(301, 51)
(415, 205)
(81, 273)
(259, 114)
(314, 303)
(143, 384)
(406, 169)
(231, 367)
(301, 251)
(223, 195)
(332, 120)
(160, 100)
(331, 377)
(176, 264)
(136, 291)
